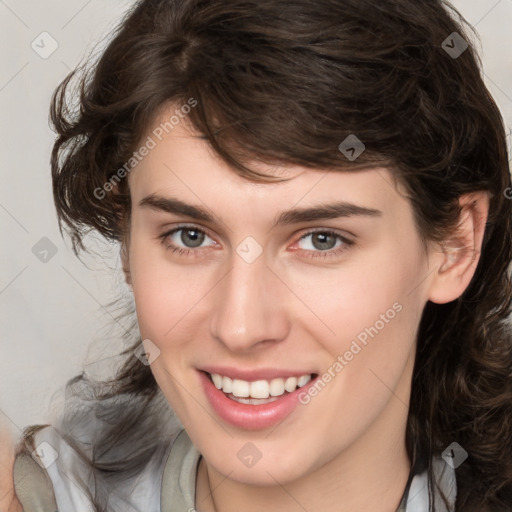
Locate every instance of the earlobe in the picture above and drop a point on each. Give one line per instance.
(459, 255)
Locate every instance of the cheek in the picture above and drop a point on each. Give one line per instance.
(366, 319)
(376, 290)
(152, 288)
(167, 296)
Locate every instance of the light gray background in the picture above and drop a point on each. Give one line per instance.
(53, 314)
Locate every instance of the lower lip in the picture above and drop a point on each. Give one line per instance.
(247, 416)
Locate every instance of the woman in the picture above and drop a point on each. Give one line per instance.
(310, 201)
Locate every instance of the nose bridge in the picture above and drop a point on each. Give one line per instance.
(248, 306)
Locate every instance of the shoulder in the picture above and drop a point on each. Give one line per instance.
(32, 485)
(54, 473)
(45, 470)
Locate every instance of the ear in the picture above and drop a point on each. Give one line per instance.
(458, 256)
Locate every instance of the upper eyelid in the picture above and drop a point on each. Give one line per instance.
(341, 233)
(175, 229)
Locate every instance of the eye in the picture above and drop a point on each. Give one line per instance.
(188, 240)
(324, 243)
(185, 239)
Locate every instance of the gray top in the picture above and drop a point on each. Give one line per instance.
(166, 484)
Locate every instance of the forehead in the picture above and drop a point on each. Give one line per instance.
(182, 164)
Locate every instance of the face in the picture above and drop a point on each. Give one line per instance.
(266, 285)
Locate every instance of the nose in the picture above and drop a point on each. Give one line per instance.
(249, 306)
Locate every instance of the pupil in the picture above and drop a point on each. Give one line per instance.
(323, 241)
(194, 240)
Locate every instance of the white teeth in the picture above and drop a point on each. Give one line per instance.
(276, 387)
(217, 380)
(240, 388)
(258, 389)
(227, 384)
(290, 384)
(254, 401)
(303, 380)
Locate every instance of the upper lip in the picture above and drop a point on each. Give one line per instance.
(254, 374)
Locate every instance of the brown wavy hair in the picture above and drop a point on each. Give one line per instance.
(287, 82)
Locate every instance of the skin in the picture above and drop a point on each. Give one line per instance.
(289, 310)
(345, 449)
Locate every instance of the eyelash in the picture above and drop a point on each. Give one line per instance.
(315, 254)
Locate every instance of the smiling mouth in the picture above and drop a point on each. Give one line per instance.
(258, 392)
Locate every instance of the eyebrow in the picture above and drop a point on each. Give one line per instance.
(294, 216)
